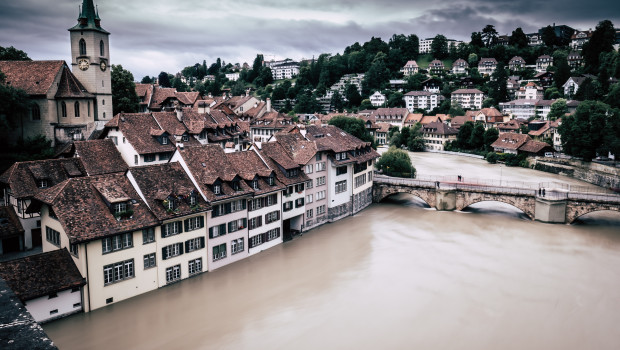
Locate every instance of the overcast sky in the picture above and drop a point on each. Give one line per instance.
(162, 35)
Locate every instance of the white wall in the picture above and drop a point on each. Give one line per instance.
(67, 302)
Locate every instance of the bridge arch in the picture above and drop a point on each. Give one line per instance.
(576, 210)
(526, 205)
(426, 195)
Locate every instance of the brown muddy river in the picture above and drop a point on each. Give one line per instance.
(395, 276)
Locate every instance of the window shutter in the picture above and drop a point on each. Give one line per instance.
(260, 221)
(243, 205)
(180, 248)
(223, 229)
(187, 246)
(245, 222)
(186, 223)
(210, 232)
(163, 254)
(264, 237)
(180, 223)
(163, 230)
(228, 208)
(278, 215)
(202, 221)
(202, 242)
(229, 226)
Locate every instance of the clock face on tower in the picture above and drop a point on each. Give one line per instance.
(103, 66)
(83, 64)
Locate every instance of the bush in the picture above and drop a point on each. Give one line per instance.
(492, 157)
(396, 162)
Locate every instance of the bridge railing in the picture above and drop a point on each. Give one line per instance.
(605, 198)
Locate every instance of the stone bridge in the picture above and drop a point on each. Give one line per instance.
(554, 206)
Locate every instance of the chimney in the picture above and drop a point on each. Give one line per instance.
(268, 105)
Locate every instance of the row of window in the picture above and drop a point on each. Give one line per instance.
(176, 227)
(258, 203)
(118, 271)
(148, 158)
(227, 208)
(82, 46)
(264, 237)
(232, 226)
(36, 112)
(360, 180)
(177, 249)
(341, 186)
(117, 242)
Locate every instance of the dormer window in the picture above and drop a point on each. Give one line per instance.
(235, 185)
(42, 183)
(254, 184)
(193, 199)
(217, 189)
(185, 138)
(271, 181)
(163, 140)
(169, 204)
(118, 208)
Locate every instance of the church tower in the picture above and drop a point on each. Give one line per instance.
(90, 59)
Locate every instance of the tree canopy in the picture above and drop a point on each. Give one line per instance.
(124, 96)
(396, 162)
(353, 126)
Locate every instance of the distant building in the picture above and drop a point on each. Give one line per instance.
(285, 70)
(468, 98)
(425, 100)
(460, 66)
(377, 99)
(410, 68)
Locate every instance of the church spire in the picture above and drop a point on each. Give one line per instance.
(89, 17)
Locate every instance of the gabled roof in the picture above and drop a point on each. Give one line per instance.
(517, 59)
(41, 274)
(9, 222)
(162, 181)
(532, 146)
(439, 128)
(70, 87)
(413, 118)
(411, 63)
(82, 206)
(399, 112)
(301, 150)
(467, 91)
(510, 140)
(34, 77)
(137, 129)
(100, 157)
(22, 177)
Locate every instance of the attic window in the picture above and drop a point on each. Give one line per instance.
(185, 138)
(235, 185)
(271, 181)
(193, 200)
(163, 140)
(255, 184)
(170, 203)
(42, 184)
(217, 189)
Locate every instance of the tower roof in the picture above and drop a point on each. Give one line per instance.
(89, 18)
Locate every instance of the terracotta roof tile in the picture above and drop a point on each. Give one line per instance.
(137, 129)
(99, 157)
(162, 181)
(81, 207)
(22, 177)
(35, 77)
(510, 140)
(41, 274)
(70, 86)
(9, 223)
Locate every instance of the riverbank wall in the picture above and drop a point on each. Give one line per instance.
(594, 173)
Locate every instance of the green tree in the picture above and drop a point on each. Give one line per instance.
(589, 90)
(396, 162)
(476, 139)
(464, 135)
(562, 72)
(147, 80)
(558, 109)
(164, 80)
(377, 76)
(414, 82)
(472, 59)
(124, 96)
(396, 100)
(553, 93)
(353, 126)
(613, 97)
(518, 39)
(12, 54)
(336, 102)
(415, 143)
(352, 95)
(602, 40)
(548, 36)
(498, 90)
(307, 103)
(439, 47)
(476, 40)
(584, 133)
(489, 35)
(490, 136)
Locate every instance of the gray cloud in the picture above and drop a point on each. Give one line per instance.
(150, 36)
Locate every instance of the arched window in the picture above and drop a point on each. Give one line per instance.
(101, 48)
(36, 112)
(76, 107)
(63, 107)
(82, 47)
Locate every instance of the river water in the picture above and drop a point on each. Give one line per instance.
(395, 276)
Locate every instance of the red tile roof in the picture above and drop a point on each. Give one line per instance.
(41, 274)
(137, 129)
(22, 177)
(100, 157)
(10, 225)
(81, 206)
(35, 77)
